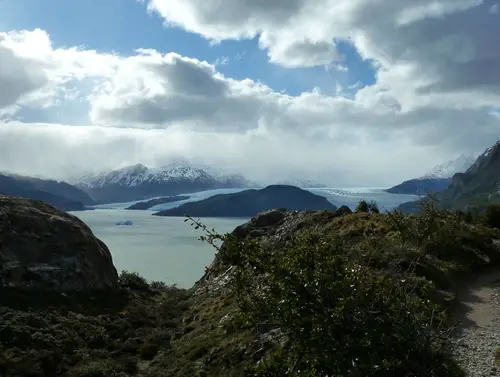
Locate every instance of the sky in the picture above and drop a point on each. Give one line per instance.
(346, 92)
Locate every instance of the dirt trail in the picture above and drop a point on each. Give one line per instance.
(477, 336)
(479, 301)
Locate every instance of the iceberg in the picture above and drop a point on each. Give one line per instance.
(126, 222)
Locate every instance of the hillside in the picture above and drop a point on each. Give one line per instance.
(478, 186)
(59, 194)
(59, 188)
(420, 186)
(250, 202)
(375, 288)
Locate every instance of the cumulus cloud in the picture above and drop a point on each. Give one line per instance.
(423, 47)
(34, 73)
(21, 71)
(154, 90)
(436, 83)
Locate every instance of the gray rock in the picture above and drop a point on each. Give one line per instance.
(44, 248)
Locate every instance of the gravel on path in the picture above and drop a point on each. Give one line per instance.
(476, 339)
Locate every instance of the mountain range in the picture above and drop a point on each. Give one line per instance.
(139, 182)
(59, 194)
(477, 186)
(130, 183)
(437, 180)
(467, 180)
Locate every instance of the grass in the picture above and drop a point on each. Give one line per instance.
(406, 266)
(363, 294)
(110, 333)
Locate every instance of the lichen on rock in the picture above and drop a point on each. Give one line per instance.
(44, 248)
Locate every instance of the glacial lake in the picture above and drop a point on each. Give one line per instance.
(159, 248)
(168, 249)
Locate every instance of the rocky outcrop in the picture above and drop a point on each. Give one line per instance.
(44, 248)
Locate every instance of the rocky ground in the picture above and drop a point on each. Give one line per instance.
(476, 340)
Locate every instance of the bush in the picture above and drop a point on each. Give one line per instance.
(133, 280)
(492, 216)
(158, 285)
(344, 318)
(362, 207)
(100, 368)
(341, 313)
(368, 207)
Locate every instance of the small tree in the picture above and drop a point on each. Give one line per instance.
(367, 207)
(362, 207)
(373, 207)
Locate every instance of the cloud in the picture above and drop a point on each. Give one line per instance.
(63, 151)
(153, 90)
(423, 48)
(33, 73)
(223, 60)
(21, 71)
(435, 86)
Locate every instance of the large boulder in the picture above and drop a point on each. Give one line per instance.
(44, 248)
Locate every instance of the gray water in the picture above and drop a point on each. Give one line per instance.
(167, 249)
(159, 248)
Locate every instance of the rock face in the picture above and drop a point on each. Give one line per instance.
(44, 248)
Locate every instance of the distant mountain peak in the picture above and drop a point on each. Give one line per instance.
(478, 185)
(138, 182)
(451, 167)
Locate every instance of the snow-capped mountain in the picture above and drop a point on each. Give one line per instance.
(139, 182)
(477, 186)
(450, 168)
(437, 180)
(139, 174)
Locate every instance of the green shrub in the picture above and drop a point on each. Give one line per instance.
(341, 315)
(158, 285)
(133, 280)
(344, 318)
(368, 207)
(100, 368)
(362, 206)
(492, 216)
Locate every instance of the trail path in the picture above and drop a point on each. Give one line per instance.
(477, 336)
